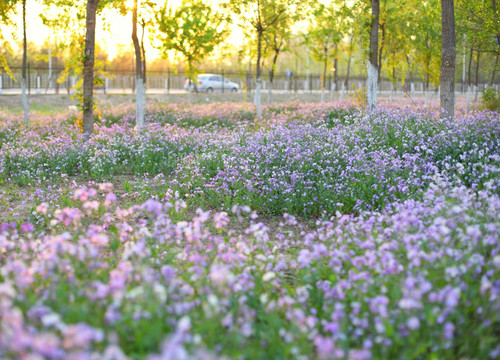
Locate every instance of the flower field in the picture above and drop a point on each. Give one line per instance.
(314, 232)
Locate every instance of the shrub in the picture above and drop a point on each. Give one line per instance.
(490, 99)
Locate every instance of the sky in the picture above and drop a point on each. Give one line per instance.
(118, 37)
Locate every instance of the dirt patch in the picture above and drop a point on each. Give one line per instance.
(18, 202)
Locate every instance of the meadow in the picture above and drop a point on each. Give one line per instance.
(319, 231)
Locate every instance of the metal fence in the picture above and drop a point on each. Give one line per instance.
(41, 81)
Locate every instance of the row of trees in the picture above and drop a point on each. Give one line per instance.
(392, 36)
(6, 9)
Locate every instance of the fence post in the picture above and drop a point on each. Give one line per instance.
(223, 81)
(38, 84)
(1, 83)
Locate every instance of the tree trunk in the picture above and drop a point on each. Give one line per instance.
(88, 69)
(448, 54)
(143, 49)
(382, 27)
(427, 62)
(273, 66)
(393, 83)
(427, 69)
(323, 80)
(306, 87)
(23, 78)
(469, 81)
(373, 63)
(346, 81)
(427, 66)
(258, 103)
(410, 73)
(478, 54)
(271, 75)
(139, 93)
(269, 89)
(335, 70)
(492, 79)
(248, 85)
(476, 81)
(393, 76)
(56, 76)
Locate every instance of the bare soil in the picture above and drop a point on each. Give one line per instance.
(17, 204)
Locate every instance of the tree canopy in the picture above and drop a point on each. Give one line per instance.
(193, 29)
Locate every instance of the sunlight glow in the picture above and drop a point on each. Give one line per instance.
(114, 40)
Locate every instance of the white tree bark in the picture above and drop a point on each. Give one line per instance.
(140, 96)
(468, 98)
(373, 65)
(23, 77)
(448, 54)
(258, 102)
(25, 103)
(371, 86)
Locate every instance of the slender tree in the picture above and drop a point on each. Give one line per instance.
(448, 54)
(323, 36)
(194, 29)
(139, 70)
(143, 23)
(354, 20)
(276, 41)
(479, 20)
(74, 22)
(23, 78)
(261, 16)
(493, 72)
(425, 56)
(7, 9)
(279, 39)
(88, 68)
(373, 67)
(142, 15)
(350, 50)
